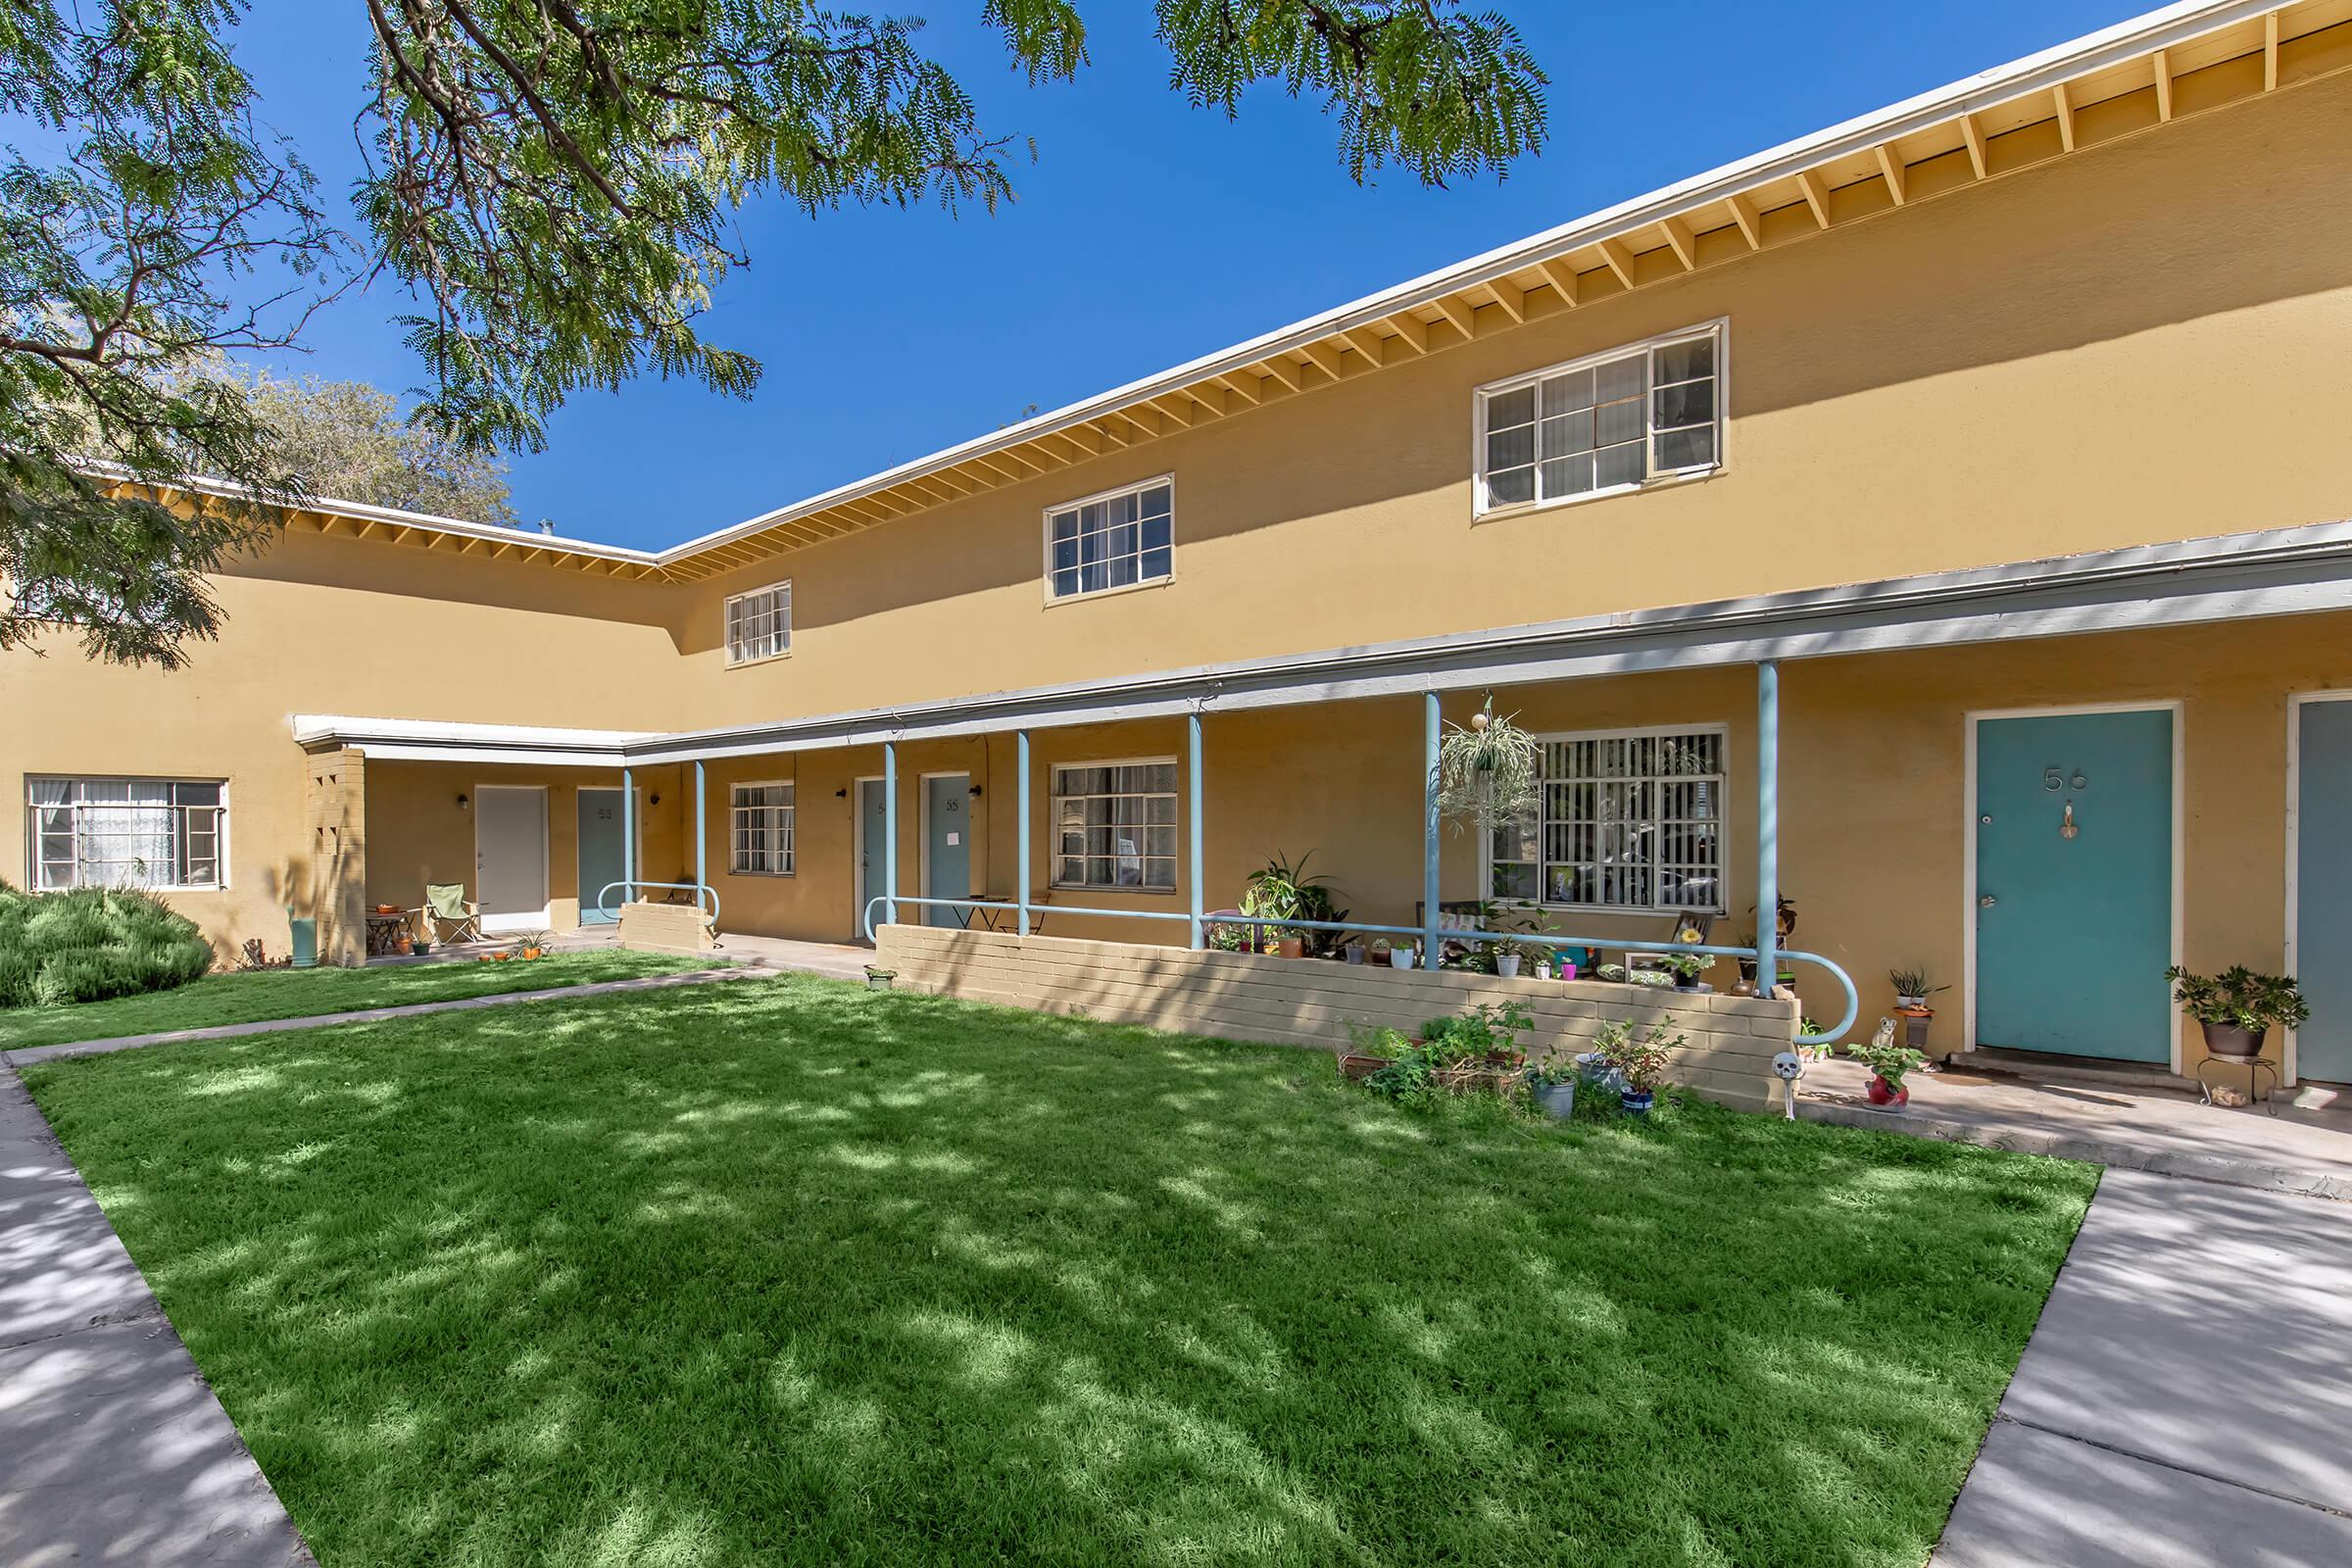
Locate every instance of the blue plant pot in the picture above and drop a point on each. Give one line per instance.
(1557, 1100)
(1636, 1100)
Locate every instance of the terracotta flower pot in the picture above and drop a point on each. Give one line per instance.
(1291, 947)
(1882, 1093)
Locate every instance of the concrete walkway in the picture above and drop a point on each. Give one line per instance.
(28, 1055)
(2152, 1129)
(113, 1448)
(2186, 1398)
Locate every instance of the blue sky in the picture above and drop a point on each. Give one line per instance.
(1145, 234)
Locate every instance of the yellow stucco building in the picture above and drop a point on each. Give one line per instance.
(2007, 432)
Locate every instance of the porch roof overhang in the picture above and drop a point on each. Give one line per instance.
(2279, 572)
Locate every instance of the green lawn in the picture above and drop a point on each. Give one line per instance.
(251, 997)
(799, 1273)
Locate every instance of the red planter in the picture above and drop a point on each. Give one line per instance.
(1881, 1093)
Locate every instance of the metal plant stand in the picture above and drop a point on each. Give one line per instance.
(2255, 1067)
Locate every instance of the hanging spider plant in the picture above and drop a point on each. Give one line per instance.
(1488, 770)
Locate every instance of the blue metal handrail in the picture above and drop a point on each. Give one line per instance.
(697, 888)
(1846, 982)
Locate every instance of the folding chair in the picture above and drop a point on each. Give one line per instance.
(446, 916)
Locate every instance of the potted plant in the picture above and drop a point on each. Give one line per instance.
(1353, 952)
(1487, 770)
(1369, 1049)
(1887, 1063)
(1686, 967)
(1279, 891)
(1638, 1062)
(1552, 1084)
(420, 947)
(878, 978)
(1404, 957)
(1911, 994)
(404, 945)
(2238, 1007)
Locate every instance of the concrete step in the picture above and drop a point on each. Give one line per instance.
(2037, 1067)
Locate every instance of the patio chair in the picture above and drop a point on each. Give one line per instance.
(446, 916)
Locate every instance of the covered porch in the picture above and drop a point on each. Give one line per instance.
(1858, 730)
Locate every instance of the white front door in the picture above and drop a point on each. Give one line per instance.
(510, 856)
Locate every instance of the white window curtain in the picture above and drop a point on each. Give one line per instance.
(148, 833)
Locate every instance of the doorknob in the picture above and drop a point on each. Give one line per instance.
(1985, 901)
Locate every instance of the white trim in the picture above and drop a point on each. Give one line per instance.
(857, 867)
(1723, 871)
(1046, 542)
(222, 882)
(1053, 826)
(514, 922)
(1968, 825)
(726, 624)
(2290, 1068)
(792, 784)
(1482, 509)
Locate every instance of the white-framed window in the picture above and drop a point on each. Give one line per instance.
(759, 819)
(127, 832)
(1628, 819)
(1116, 824)
(760, 623)
(1640, 415)
(1122, 538)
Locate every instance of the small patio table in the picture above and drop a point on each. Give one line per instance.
(995, 913)
(383, 931)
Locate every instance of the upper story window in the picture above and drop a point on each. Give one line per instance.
(760, 623)
(1629, 819)
(1119, 539)
(1115, 825)
(762, 825)
(115, 832)
(1611, 423)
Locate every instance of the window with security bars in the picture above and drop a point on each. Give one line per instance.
(1111, 541)
(760, 623)
(761, 827)
(1115, 825)
(115, 832)
(1628, 819)
(1614, 421)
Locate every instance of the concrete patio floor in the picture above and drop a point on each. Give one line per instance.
(2160, 1130)
(2184, 1398)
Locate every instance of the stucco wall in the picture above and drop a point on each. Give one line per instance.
(2144, 342)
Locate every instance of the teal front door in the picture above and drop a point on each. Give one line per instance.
(2324, 888)
(946, 845)
(872, 836)
(2074, 884)
(600, 853)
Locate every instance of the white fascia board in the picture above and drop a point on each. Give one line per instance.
(2165, 27)
(2275, 572)
(431, 740)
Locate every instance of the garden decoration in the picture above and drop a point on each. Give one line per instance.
(2238, 1009)
(1887, 1063)
(1911, 994)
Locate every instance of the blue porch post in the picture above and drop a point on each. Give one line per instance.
(1193, 874)
(628, 835)
(890, 832)
(1767, 825)
(1021, 806)
(702, 842)
(1429, 832)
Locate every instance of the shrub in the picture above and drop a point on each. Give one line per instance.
(93, 943)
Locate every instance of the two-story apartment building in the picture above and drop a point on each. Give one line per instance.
(2004, 436)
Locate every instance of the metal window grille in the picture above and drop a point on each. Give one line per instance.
(1628, 820)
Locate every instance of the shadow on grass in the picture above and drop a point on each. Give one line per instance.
(800, 1272)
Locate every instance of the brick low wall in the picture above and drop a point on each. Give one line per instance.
(673, 928)
(1303, 1002)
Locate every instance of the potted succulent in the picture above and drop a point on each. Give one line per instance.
(1887, 1063)
(1380, 952)
(1404, 957)
(1353, 952)
(2238, 1007)
(1911, 994)
(1552, 1084)
(1638, 1062)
